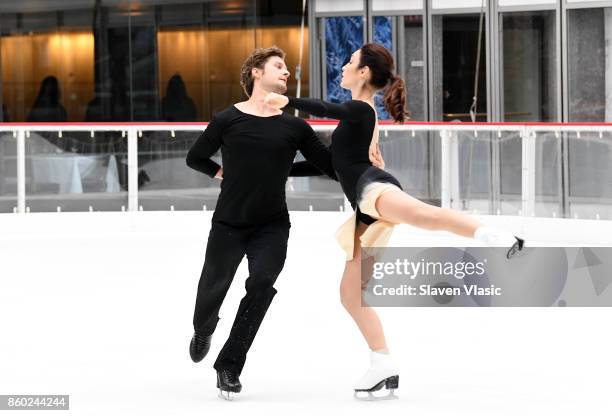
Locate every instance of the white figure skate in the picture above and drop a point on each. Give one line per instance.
(382, 373)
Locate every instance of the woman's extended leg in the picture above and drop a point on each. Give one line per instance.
(401, 208)
(350, 293)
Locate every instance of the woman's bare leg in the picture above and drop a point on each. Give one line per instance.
(401, 208)
(365, 317)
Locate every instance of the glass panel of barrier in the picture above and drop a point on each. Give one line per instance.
(590, 175)
(548, 174)
(76, 171)
(474, 171)
(73, 171)
(165, 181)
(411, 156)
(510, 171)
(8, 172)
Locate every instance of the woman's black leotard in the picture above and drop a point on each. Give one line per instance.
(350, 145)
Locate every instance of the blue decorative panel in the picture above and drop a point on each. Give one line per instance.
(343, 36)
(383, 32)
(382, 35)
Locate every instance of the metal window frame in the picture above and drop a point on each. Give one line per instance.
(527, 8)
(399, 44)
(398, 41)
(497, 47)
(496, 104)
(566, 7)
(586, 5)
(498, 89)
(488, 29)
(564, 20)
(400, 58)
(465, 11)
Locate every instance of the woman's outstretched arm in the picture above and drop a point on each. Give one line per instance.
(353, 110)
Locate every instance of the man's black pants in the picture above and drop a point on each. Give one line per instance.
(265, 247)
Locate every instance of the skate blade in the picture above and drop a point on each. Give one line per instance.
(517, 249)
(226, 395)
(369, 396)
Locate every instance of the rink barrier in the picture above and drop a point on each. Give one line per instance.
(446, 130)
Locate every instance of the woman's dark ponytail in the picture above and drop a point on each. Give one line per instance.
(395, 99)
(380, 61)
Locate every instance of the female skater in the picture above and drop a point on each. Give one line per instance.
(375, 195)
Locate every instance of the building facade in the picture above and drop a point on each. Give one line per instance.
(540, 60)
(110, 60)
(116, 60)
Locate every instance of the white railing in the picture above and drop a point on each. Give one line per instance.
(447, 132)
(129, 131)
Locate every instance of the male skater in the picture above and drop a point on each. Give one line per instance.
(258, 145)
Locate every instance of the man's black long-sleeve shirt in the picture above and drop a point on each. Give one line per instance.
(257, 154)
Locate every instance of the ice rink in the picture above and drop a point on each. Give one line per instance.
(99, 306)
